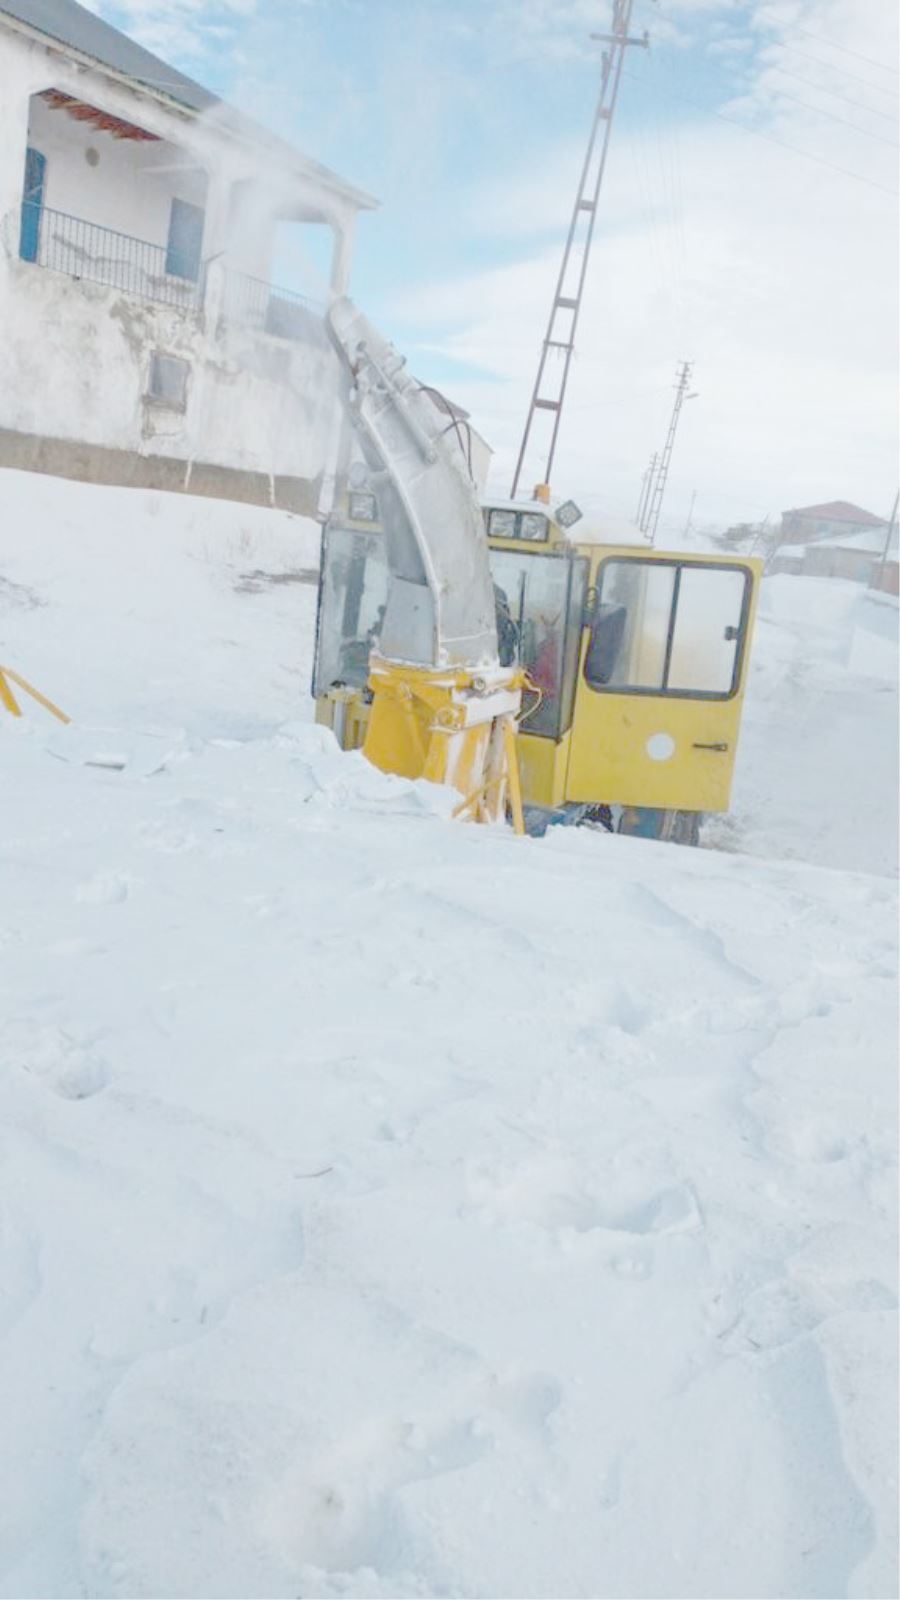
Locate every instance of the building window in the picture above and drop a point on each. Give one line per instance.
(168, 381)
(185, 241)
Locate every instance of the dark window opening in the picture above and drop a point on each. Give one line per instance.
(168, 380)
(185, 241)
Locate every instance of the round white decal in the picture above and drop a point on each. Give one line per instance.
(660, 747)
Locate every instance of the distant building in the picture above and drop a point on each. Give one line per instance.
(143, 342)
(834, 520)
(835, 540)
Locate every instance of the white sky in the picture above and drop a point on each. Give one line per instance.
(732, 243)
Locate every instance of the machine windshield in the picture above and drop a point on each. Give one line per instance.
(353, 598)
(539, 600)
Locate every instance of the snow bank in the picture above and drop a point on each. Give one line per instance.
(816, 776)
(394, 1207)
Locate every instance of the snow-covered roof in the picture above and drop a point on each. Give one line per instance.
(79, 30)
(73, 25)
(604, 528)
(867, 541)
(838, 511)
(492, 502)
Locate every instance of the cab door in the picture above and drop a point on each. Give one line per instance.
(664, 659)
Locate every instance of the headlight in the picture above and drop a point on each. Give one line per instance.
(502, 525)
(534, 526)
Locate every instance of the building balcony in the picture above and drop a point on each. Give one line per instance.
(165, 274)
(263, 308)
(93, 254)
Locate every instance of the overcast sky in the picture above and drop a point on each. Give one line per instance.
(748, 221)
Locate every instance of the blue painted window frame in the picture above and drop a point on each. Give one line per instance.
(32, 204)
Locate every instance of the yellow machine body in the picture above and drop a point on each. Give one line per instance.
(455, 728)
(635, 664)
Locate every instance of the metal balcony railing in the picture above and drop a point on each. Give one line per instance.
(87, 251)
(253, 303)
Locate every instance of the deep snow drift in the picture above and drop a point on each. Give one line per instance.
(394, 1207)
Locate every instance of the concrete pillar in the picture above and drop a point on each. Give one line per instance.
(215, 243)
(342, 254)
(14, 104)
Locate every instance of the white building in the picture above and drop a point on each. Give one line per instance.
(143, 342)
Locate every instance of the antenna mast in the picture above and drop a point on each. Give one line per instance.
(548, 395)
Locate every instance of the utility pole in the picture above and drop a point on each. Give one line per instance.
(646, 491)
(659, 488)
(690, 515)
(550, 385)
(888, 539)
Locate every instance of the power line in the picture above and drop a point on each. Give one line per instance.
(773, 139)
(830, 67)
(845, 49)
(822, 88)
(832, 117)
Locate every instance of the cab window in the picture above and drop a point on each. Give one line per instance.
(668, 628)
(539, 601)
(352, 599)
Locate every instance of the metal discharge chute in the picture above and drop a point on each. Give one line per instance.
(442, 706)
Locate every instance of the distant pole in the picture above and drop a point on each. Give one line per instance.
(646, 485)
(760, 535)
(887, 543)
(690, 515)
(659, 487)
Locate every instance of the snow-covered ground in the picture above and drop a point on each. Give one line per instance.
(393, 1207)
(817, 773)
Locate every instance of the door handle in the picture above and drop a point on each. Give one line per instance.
(718, 747)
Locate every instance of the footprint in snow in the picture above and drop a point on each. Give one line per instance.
(55, 1059)
(103, 889)
(538, 1194)
(784, 1311)
(344, 1510)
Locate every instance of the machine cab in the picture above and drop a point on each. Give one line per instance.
(636, 659)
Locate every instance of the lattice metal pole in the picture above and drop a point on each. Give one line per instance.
(646, 491)
(564, 312)
(659, 488)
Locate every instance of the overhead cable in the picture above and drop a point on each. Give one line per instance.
(772, 138)
(822, 88)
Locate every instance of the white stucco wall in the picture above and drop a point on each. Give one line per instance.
(75, 365)
(75, 356)
(130, 188)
